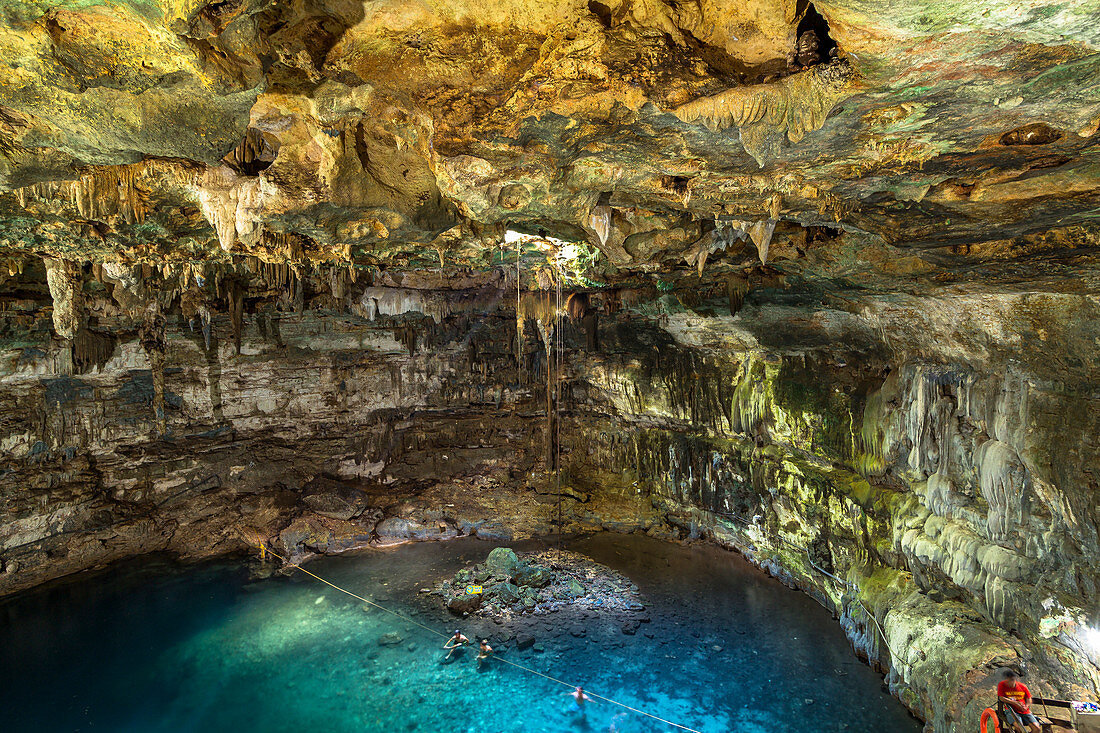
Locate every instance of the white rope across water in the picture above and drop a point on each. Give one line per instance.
(265, 551)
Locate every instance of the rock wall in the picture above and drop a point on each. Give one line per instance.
(935, 488)
(946, 511)
(292, 421)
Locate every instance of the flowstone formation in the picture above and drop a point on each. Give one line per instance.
(507, 584)
(819, 282)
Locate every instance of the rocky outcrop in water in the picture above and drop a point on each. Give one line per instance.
(538, 583)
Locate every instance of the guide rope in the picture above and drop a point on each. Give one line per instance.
(264, 551)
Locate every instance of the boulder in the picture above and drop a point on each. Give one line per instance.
(334, 500)
(392, 528)
(524, 641)
(390, 638)
(433, 530)
(493, 531)
(533, 575)
(463, 603)
(502, 563)
(507, 593)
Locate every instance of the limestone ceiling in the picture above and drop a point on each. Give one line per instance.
(947, 134)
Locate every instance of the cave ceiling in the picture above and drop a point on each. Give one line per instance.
(903, 144)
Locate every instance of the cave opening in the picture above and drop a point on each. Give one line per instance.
(601, 11)
(815, 44)
(253, 155)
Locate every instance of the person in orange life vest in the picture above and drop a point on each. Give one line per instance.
(1017, 699)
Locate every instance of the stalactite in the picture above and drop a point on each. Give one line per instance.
(724, 237)
(235, 296)
(761, 233)
(338, 279)
(600, 221)
(546, 336)
(407, 337)
(151, 336)
(396, 301)
(91, 349)
(766, 113)
(65, 283)
(11, 266)
(253, 155)
(207, 326)
(737, 287)
(104, 192)
(232, 204)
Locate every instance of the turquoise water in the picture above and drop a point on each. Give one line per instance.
(148, 647)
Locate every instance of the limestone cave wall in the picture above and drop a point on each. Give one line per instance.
(944, 508)
(934, 487)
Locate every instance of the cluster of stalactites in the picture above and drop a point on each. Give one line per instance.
(766, 113)
(198, 286)
(105, 192)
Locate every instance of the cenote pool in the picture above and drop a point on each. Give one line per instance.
(148, 647)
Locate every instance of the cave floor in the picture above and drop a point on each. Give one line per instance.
(146, 646)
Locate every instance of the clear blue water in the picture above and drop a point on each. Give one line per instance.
(148, 647)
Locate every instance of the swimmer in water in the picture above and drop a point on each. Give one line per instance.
(483, 652)
(579, 699)
(456, 641)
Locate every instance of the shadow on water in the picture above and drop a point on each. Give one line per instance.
(149, 647)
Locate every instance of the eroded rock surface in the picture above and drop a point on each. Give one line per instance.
(826, 291)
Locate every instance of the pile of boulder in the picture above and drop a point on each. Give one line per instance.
(507, 584)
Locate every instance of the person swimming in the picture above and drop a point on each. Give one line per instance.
(579, 699)
(483, 652)
(458, 639)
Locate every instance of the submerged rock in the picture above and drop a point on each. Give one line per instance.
(390, 638)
